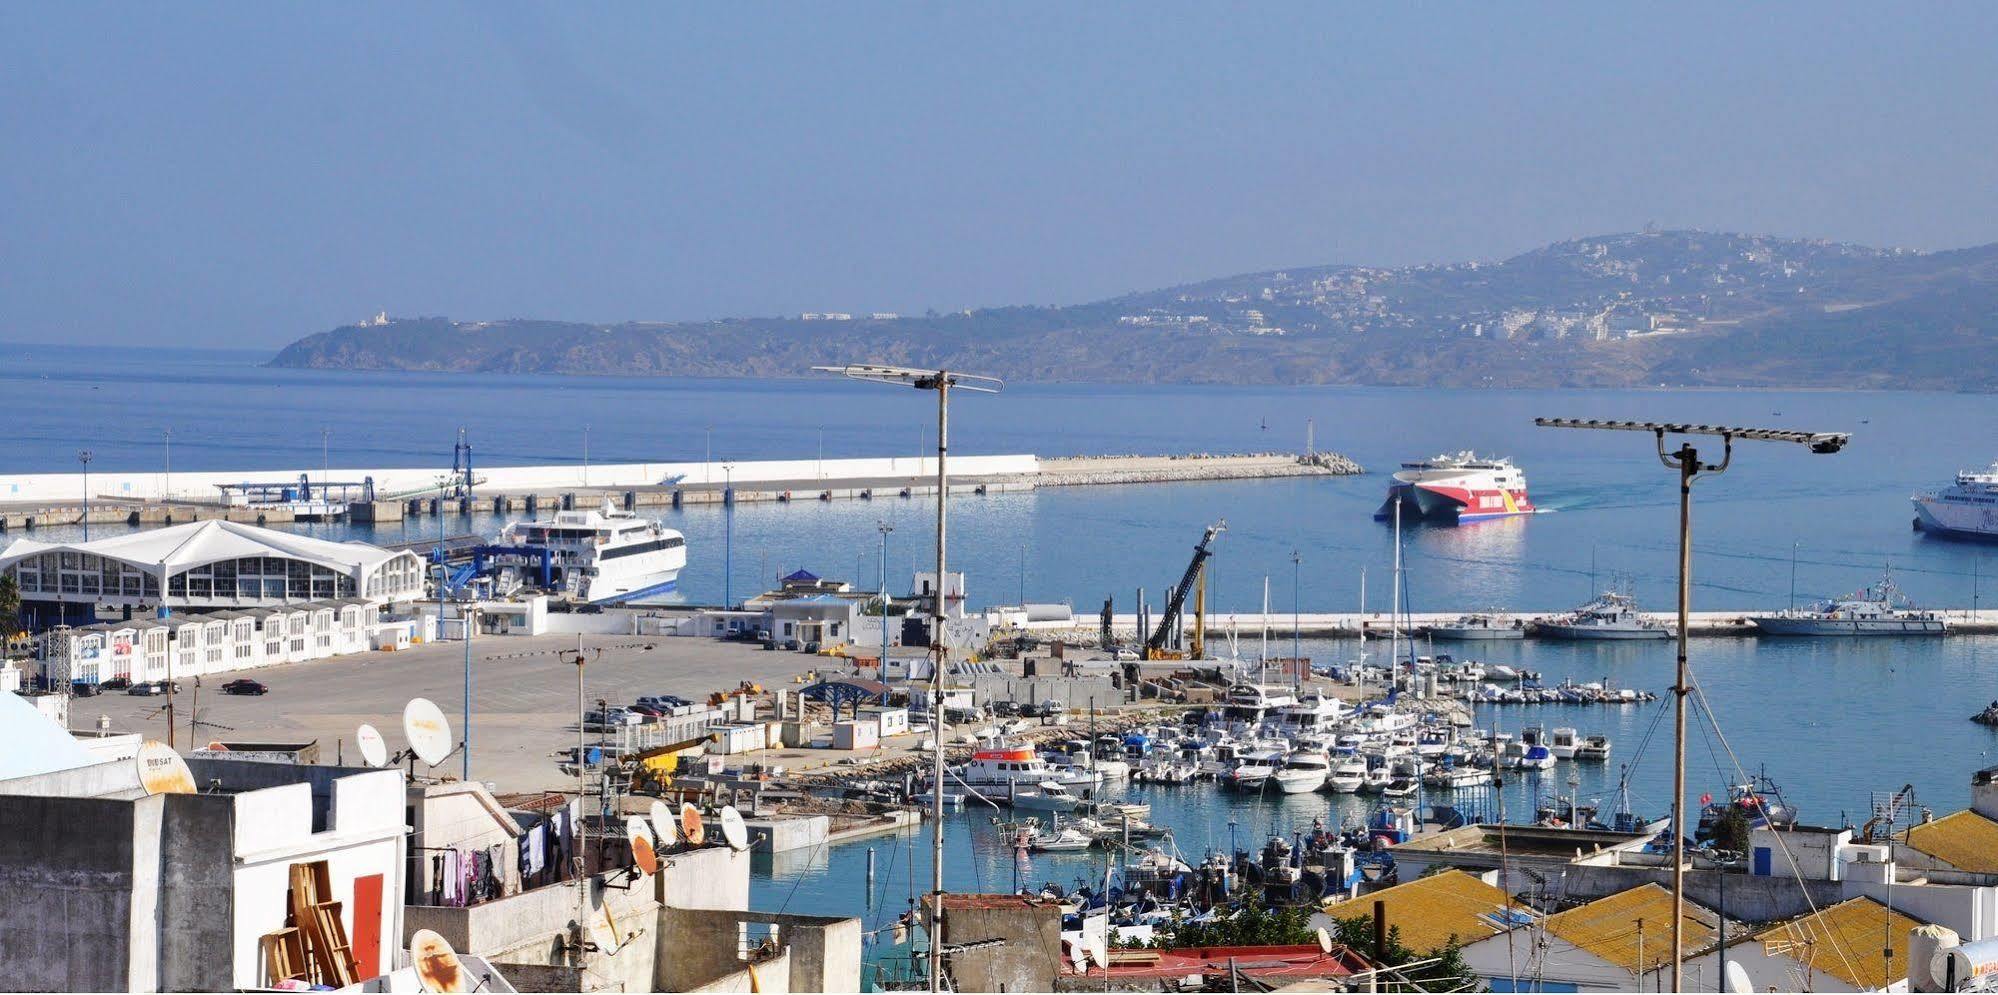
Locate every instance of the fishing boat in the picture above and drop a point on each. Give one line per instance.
(998, 768)
(1611, 615)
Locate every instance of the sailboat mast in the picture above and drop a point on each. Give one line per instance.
(1394, 615)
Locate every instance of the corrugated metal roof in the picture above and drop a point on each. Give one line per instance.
(1609, 927)
(1429, 911)
(1845, 942)
(1964, 840)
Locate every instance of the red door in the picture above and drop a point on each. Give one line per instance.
(368, 926)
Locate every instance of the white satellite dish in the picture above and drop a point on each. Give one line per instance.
(1324, 941)
(1737, 979)
(733, 830)
(374, 749)
(162, 771)
(664, 825)
(438, 968)
(428, 731)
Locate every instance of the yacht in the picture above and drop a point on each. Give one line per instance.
(1879, 610)
(1001, 769)
(1595, 748)
(1612, 615)
(1480, 626)
(1967, 509)
(1253, 771)
(1347, 775)
(1303, 772)
(594, 556)
(1048, 796)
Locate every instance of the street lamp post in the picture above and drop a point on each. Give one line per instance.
(84, 456)
(941, 381)
(1686, 460)
(1296, 635)
(728, 535)
(884, 528)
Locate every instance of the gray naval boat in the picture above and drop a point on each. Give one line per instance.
(1879, 610)
(1612, 615)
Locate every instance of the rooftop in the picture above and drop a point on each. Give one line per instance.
(1844, 941)
(1304, 960)
(1520, 841)
(1607, 927)
(1429, 911)
(1964, 840)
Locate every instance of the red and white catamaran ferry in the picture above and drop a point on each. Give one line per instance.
(1464, 487)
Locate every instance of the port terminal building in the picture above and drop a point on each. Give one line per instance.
(207, 566)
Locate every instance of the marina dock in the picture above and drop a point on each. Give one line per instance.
(1379, 626)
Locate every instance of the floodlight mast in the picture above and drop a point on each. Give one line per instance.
(941, 381)
(1686, 460)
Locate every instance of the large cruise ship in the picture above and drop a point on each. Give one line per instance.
(596, 556)
(1464, 487)
(1968, 508)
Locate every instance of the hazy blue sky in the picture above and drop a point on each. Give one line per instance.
(243, 174)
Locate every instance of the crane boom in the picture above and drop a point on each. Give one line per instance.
(1169, 619)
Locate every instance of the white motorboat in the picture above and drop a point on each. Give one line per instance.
(1048, 796)
(996, 770)
(1303, 772)
(1253, 770)
(1594, 748)
(1563, 743)
(1347, 775)
(1065, 840)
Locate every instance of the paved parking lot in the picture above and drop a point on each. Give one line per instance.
(523, 696)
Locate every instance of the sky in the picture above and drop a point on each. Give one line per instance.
(240, 175)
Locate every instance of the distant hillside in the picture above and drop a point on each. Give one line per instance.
(1677, 307)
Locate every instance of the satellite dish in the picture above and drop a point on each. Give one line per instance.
(438, 968)
(1324, 941)
(691, 829)
(162, 771)
(733, 830)
(428, 731)
(1099, 949)
(640, 836)
(1737, 979)
(663, 825)
(374, 749)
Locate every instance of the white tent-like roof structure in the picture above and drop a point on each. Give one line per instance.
(177, 547)
(214, 564)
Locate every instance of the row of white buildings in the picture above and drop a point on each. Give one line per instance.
(182, 646)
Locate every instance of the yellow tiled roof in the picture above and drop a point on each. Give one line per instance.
(1608, 927)
(1845, 941)
(1965, 840)
(1430, 910)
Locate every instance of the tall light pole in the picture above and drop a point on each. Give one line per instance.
(470, 613)
(728, 536)
(586, 455)
(166, 490)
(885, 528)
(1296, 635)
(708, 463)
(325, 459)
(1686, 460)
(940, 381)
(84, 456)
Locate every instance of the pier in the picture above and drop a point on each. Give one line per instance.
(30, 501)
(1086, 628)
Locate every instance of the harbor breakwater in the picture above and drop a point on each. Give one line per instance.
(29, 501)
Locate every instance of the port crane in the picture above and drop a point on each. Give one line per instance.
(1155, 647)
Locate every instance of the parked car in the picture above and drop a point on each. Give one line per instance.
(600, 720)
(648, 711)
(82, 689)
(791, 644)
(812, 647)
(152, 687)
(114, 684)
(664, 702)
(244, 685)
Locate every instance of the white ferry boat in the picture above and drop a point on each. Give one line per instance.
(1610, 616)
(1967, 509)
(1880, 610)
(595, 556)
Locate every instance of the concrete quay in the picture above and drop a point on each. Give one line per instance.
(1085, 629)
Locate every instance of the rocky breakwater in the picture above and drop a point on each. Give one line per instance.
(1193, 466)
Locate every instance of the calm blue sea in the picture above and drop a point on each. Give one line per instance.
(1832, 721)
